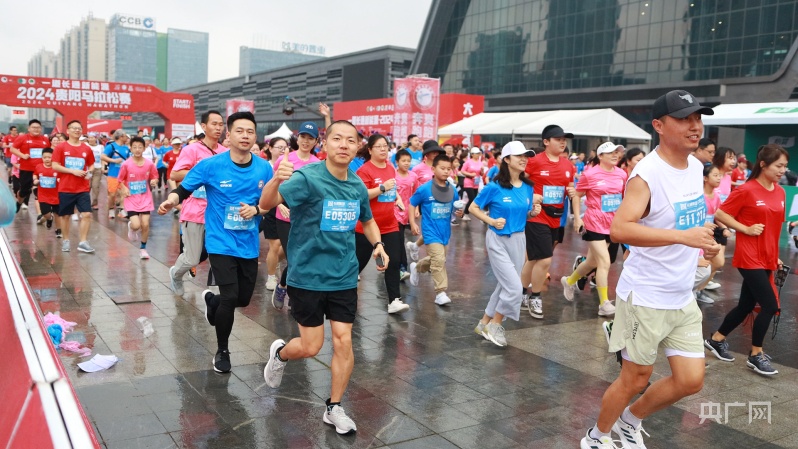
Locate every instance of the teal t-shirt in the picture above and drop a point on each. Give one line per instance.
(321, 244)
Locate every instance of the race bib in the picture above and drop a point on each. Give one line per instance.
(36, 153)
(74, 163)
(200, 193)
(710, 218)
(339, 215)
(553, 194)
(388, 197)
(723, 197)
(441, 210)
(690, 214)
(610, 202)
(47, 182)
(235, 222)
(138, 187)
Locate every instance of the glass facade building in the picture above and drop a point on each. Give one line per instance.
(254, 60)
(132, 54)
(187, 58)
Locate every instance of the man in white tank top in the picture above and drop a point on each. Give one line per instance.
(662, 219)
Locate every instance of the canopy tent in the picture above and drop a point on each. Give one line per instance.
(284, 132)
(603, 123)
(741, 114)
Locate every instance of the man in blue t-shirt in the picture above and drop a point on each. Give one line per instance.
(326, 200)
(160, 150)
(414, 147)
(436, 200)
(114, 154)
(233, 182)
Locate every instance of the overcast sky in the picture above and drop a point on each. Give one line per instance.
(341, 27)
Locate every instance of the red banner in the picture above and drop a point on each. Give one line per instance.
(416, 104)
(367, 115)
(234, 106)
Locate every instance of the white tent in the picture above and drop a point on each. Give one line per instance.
(284, 132)
(602, 123)
(741, 114)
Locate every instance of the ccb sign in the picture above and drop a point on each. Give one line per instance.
(128, 21)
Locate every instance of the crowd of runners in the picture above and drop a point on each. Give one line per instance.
(328, 205)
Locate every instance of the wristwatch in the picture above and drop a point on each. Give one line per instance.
(379, 243)
(382, 188)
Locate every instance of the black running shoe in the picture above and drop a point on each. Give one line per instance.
(58, 234)
(221, 361)
(210, 311)
(49, 223)
(719, 349)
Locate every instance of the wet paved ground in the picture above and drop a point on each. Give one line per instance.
(421, 379)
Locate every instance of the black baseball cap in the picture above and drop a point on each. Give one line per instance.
(678, 104)
(555, 131)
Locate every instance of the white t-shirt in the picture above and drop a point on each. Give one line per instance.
(662, 277)
(98, 151)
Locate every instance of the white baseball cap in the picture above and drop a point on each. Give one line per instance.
(475, 150)
(608, 147)
(516, 148)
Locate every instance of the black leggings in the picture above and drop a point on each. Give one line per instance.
(402, 253)
(162, 180)
(393, 247)
(236, 278)
(757, 288)
(283, 229)
(472, 194)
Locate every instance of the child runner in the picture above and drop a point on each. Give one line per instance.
(46, 178)
(406, 185)
(137, 176)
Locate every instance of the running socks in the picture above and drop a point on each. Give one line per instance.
(277, 354)
(330, 405)
(573, 278)
(630, 419)
(143, 245)
(595, 433)
(603, 297)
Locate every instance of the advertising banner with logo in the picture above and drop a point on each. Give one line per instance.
(239, 105)
(416, 103)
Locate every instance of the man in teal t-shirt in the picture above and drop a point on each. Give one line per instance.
(326, 200)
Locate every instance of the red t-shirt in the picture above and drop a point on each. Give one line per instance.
(8, 141)
(77, 158)
(169, 158)
(382, 206)
(737, 175)
(551, 179)
(32, 146)
(751, 204)
(48, 184)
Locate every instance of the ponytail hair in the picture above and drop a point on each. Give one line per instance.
(767, 154)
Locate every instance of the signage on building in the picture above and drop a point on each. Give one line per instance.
(137, 22)
(305, 49)
(416, 103)
(183, 131)
(234, 106)
(18, 112)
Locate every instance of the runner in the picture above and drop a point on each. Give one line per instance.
(193, 212)
(406, 185)
(415, 149)
(435, 199)
(8, 141)
(161, 150)
(756, 211)
(472, 170)
(46, 179)
(603, 185)
(28, 148)
(97, 173)
(326, 200)
(308, 137)
(233, 181)
(705, 151)
(115, 153)
(75, 161)
(279, 147)
(424, 170)
(509, 201)
(706, 267)
(137, 178)
(168, 160)
(661, 217)
(553, 177)
(379, 177)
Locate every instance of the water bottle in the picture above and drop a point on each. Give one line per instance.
(458, 206)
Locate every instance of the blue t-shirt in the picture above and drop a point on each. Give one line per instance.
(226, 186)
(115, 151)
(511, 204)
(160, 151)
(493, 172)
(436, 225)
(565, 207)
(356, 163)
(324, 212)
(416, 157)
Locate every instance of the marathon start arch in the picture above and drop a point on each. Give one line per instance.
(77, 99)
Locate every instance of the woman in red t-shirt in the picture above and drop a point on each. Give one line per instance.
(756, 211)
(379, 176)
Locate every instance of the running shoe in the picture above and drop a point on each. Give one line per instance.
(403, 275)
(413, 275)
(273, 372)
(74, 217)
(84, 247)
(454, 222)
(65, 246)
(210, 311)
(795, 240)
(192, 272)
(712, 285)
(40, 219)
(24, 206)
(526, 304)
(278, 297)
(631, 437)
(607, 328)
(466, 217)
(412, 250)
(143, 254)
(480, 330)
(122, 213)
(607, 308)
(175, 283)
(271, 282)
(221, 361)
(760, 363)
(131, 234)
(111, 215)
(537, 308)
(397, 306)
(700, 296)
(719, 349)
(337, 417)
(442, 299)
(567, 290)
(49, 224)
(589, 442)
(495, 333)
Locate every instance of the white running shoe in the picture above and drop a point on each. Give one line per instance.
(337, 418)
(631, 438)
(413, 275)
(589, 442)
(24, 206)
(74, 217)
(442, 299)
(122, 213)
(480, 330)
(712, 285)
(84, 247)
(111, 215)
(537, 308)
(495, 333)
(131, 234)
(412, 250)
(397, 306)
(466, 218)
(273, 372)
(607, 308)
(700, 296)
(175, 283)
(143, 254)
(567, 290)
(271, 282)
(403, 275)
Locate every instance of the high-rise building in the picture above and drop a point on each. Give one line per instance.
(43, 63)
(255, 60)
(82, 52)
(132, 49)
(186, 58)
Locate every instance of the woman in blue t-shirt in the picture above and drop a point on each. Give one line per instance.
(504, 206)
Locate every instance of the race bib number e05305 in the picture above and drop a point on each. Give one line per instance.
(339, 215)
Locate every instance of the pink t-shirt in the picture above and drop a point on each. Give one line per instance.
(298, 163)
(724, 189)
(423, 172)
(471, 166)
(137, 180)
(194, 206)
(713, 204)
(15, 162)
(604, 193)
(405, 187)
